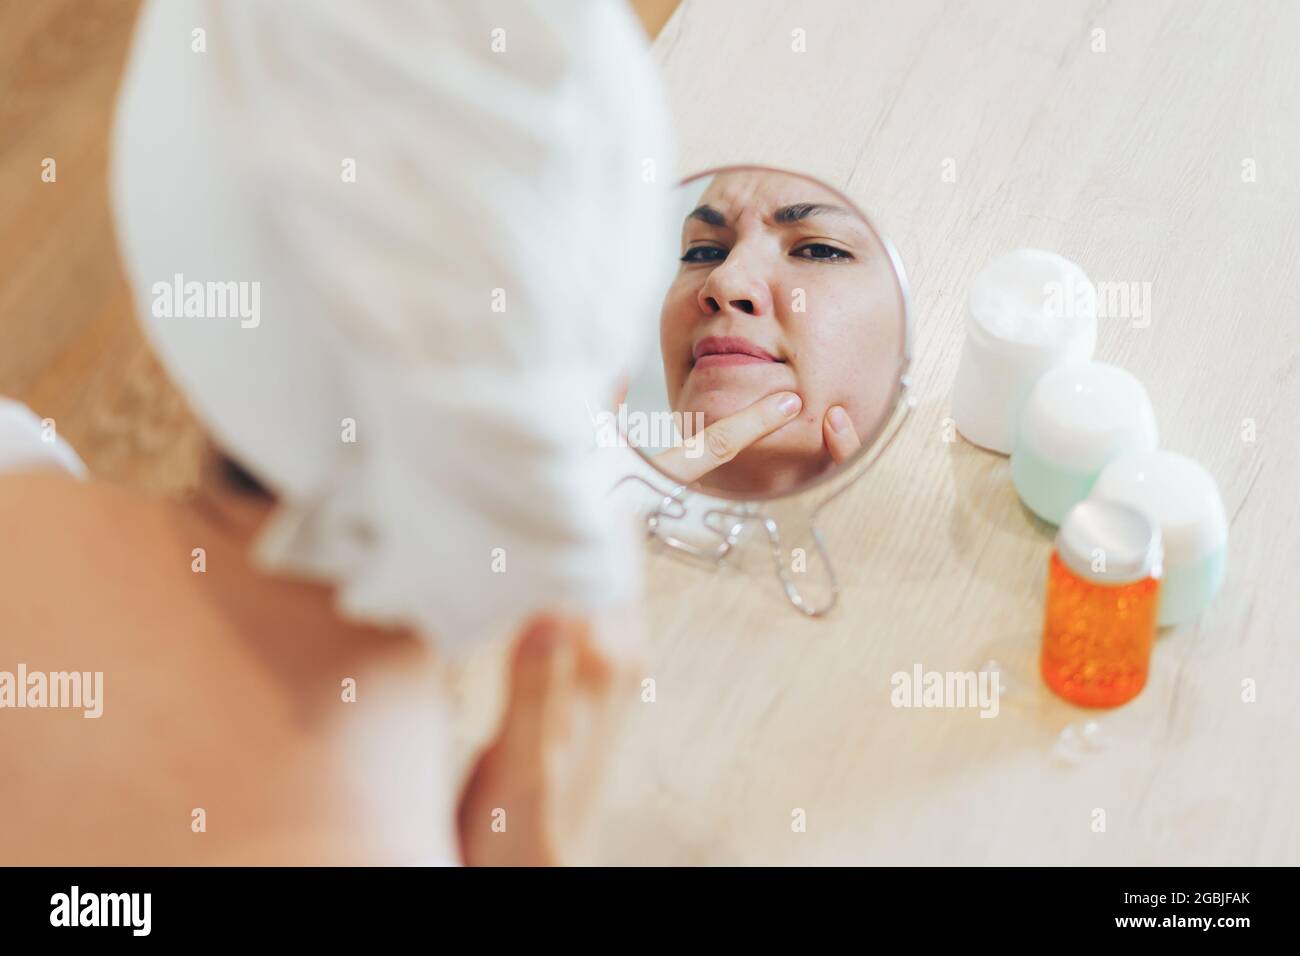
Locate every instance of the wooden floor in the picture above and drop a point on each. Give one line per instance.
(68, 344)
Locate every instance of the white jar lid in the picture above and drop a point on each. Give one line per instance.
(1109, 542)
(1028, 311)
(1082, 415)
(1034, 300)
(1176, 493)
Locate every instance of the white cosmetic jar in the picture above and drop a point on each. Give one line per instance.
(1179, 496)
(1029, 311)
(1077, 420)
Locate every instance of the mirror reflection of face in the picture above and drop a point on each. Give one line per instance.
(781, 287)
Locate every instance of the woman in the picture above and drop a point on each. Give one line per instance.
(782, 328)
(360, 238)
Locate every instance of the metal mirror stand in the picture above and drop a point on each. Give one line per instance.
(728, 523)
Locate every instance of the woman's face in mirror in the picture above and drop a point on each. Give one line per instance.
(781, 288)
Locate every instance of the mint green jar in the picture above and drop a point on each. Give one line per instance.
(1181, 497)
(1079, 417)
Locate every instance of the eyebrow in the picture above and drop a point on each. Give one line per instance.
(794, 213)
(709, 215)
(784, 216)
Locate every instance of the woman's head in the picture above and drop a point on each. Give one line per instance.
(781, 287)
(382, 394)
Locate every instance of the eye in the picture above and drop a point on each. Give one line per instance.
(696, 254)
(819, 251)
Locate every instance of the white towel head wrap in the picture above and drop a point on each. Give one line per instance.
(452, 220)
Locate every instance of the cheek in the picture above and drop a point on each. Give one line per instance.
(802, 437)
(675, 323)
(827, 353)
(881, 350)
(847, 351)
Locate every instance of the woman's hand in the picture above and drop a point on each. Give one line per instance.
(532, 796)
(728, 437)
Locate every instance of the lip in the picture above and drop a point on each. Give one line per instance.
(717, 351)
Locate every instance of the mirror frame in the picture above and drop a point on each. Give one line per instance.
(740, 510)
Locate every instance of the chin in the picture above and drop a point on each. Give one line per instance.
(800, 439)
(718, 403)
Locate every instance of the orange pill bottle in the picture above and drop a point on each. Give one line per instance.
(1103, 593)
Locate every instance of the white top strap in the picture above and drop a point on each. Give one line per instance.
(29, 443)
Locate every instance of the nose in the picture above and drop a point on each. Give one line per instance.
(736, 284)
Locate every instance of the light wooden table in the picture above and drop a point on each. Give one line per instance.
(1129, 161)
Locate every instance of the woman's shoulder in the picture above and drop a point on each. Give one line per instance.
(199, 664)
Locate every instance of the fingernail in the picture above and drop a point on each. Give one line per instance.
(839, 421)
(790, 405)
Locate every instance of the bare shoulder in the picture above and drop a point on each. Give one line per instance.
(28, 499)
(73, 556)
(160, 701)
(99, 649)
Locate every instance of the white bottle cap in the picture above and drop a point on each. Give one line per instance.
(1029, 310)
(1109, 543)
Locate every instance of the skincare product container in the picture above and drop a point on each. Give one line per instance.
(1029, 311)
(1078, 419)
(1181, 498)
(1103, 590)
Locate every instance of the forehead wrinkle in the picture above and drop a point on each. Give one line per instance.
(797, 212)
(737, 205)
